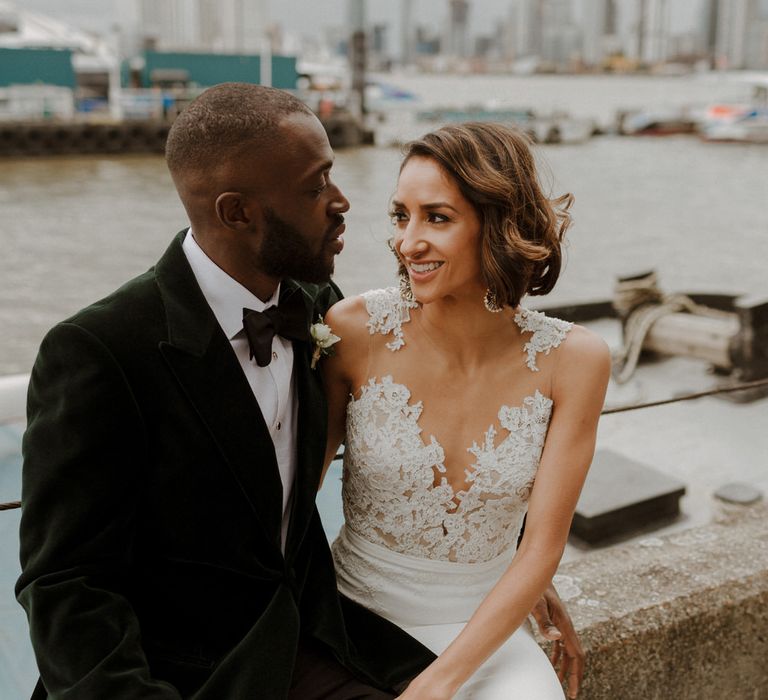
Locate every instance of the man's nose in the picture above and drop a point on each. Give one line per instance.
(339, 204)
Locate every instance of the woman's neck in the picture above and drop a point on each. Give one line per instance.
(464, 332)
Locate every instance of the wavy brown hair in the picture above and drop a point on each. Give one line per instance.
(521, 228)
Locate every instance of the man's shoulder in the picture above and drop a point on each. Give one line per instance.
(132, 302)
(136, 302)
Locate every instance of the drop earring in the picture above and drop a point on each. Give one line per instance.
(491, 302)
(406, 293)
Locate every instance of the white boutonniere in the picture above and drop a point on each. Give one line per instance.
(323, 339)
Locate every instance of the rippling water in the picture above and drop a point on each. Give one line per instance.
(73, 229)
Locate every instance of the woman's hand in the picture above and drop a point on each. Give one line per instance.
(555, 624)
(427, 687)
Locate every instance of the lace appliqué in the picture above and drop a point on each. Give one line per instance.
(547, 333)
(387, 312)
(389, 494)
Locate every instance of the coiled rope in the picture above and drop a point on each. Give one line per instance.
(640, 301)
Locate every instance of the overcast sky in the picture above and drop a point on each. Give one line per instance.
(306, 16)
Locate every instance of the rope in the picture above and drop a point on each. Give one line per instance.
(642, 303)
(688, 397)
(759, 383)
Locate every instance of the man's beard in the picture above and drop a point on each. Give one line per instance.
(285, 252)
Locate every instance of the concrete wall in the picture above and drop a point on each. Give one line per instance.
(678, 617)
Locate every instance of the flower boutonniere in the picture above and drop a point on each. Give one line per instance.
(323, 340)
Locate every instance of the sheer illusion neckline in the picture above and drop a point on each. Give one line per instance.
(394, 493)
(413, 413)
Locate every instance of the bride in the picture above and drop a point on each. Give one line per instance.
(462, 411)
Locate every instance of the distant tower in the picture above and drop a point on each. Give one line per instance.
(561, 39)
(641, 29)
(733, 22)
(457, 31)
(708, 29)
(244, 25)
(173, 24)
(407, 33)
(611, 27)
(529, 19)
(657, 47)
(227, 26)
(594, 23)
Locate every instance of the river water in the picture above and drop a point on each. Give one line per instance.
(74, 228)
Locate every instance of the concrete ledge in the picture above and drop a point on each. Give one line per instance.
(683, 616)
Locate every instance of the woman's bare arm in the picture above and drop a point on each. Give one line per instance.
(341, 369)
(578, 392)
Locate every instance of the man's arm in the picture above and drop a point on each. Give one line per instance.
(84, 456)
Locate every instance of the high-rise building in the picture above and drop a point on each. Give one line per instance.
(733, 22)
(528, 20)
(756, 50)
(594, 23)
(169, 24)
(457, 43)
(226, 26)
(708, 28)
(560, 37)
(657, 32)
(407, 33)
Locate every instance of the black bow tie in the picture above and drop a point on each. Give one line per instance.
(289, 320)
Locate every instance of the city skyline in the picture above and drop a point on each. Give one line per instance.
(542, 35)
(307, 18)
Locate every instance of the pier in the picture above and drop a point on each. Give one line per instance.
(140, 136)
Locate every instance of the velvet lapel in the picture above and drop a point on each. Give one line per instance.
(311, 431)
(201, 358)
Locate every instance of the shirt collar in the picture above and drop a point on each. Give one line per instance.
(224, 294)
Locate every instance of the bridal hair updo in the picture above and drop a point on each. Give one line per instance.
(521, 229)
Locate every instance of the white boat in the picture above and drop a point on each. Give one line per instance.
(741, 123)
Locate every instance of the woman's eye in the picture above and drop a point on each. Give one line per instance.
(434, 218)
(397, 217)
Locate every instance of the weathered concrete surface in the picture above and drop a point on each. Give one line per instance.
(677, 617)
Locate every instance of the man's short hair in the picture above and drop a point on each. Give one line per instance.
(223, 119)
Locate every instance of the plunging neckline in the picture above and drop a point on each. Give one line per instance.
(414, 414)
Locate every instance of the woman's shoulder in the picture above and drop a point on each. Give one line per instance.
(575, 344)
(348, 316)
(381, 311)
(584, 353)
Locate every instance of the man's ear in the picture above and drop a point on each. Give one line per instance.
(234, 212)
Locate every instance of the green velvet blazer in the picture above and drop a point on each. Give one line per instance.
(150, 532)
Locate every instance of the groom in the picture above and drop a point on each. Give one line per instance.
(170, 545)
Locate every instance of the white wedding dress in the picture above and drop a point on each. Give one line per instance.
(417, 553)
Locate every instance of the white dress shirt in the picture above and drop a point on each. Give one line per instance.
(272, 385)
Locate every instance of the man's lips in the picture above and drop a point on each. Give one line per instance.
(335, 241)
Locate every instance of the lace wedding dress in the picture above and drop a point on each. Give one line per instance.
(419, 554)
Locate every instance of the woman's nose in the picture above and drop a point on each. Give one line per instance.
(411, 240)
